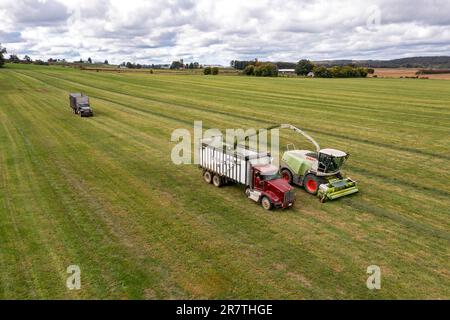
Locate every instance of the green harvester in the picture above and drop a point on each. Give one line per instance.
(319, 172)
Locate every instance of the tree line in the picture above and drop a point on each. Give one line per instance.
(303, 67)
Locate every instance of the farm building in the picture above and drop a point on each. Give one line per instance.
(286, 71)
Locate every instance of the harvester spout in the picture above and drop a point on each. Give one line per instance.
(284, 126)
(303, 133)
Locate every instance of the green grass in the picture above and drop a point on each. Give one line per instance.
(102, 192)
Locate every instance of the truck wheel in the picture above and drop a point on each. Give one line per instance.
(207, 176)
(217, 180)
(286, 175)
(266, 204)
(311, 184)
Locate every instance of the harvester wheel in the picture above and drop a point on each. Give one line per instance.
(286, 175)
(266, 204)
(217, 180)
(311, 184)
(207, 176)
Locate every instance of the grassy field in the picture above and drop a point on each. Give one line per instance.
(102, 192)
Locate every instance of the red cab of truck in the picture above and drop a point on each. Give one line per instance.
(270, 188)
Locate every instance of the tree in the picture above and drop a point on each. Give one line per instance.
(2, 58)
(215, 71)
(240, 65)
(260, 69)
(89, 60)
(304, 67)
(27, 59)
(176, 65)
(207, 70)
(249, 70)
(322, 72)
(106, 62)
(14, 58)
(191, 65)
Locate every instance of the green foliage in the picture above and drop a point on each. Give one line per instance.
(39, 62)
(241, 64)
(215, 71)
(2, 58)
(13, 58)
(304, 67)
(249, 70)
(347, 71)
(322, 72)
(177, 65)
(207, 70)
(267, 69)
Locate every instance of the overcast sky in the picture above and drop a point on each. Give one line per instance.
(217, 31)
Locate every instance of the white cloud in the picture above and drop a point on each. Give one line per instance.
(217, 31)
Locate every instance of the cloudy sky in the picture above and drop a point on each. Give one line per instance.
(217, 31)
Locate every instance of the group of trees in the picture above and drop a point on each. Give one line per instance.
(181, 65)
(241, 64)
(341, 72)
(304, 67)
(211, 70)
(261, 69)
(129, 65)
(2, 58)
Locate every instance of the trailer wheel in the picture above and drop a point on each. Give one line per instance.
(266, 204)
(217, 181)
(207, 177)
(247, 192)
(311, 184)
(286, 175)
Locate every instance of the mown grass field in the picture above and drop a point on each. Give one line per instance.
(102, 192)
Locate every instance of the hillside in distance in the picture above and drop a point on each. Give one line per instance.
(435, 62)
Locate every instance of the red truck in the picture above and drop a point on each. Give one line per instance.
(222, 164)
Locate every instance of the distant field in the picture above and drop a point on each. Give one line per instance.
(407, 72)
(222, 71)
(103, 194)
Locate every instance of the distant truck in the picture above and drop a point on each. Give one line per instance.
(80, 105)
(263, 184)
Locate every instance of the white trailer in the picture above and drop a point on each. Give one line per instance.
(221, 164)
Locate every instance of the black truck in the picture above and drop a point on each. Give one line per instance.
(80, 105)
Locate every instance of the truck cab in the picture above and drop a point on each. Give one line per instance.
(80, 105)
(269, 188)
